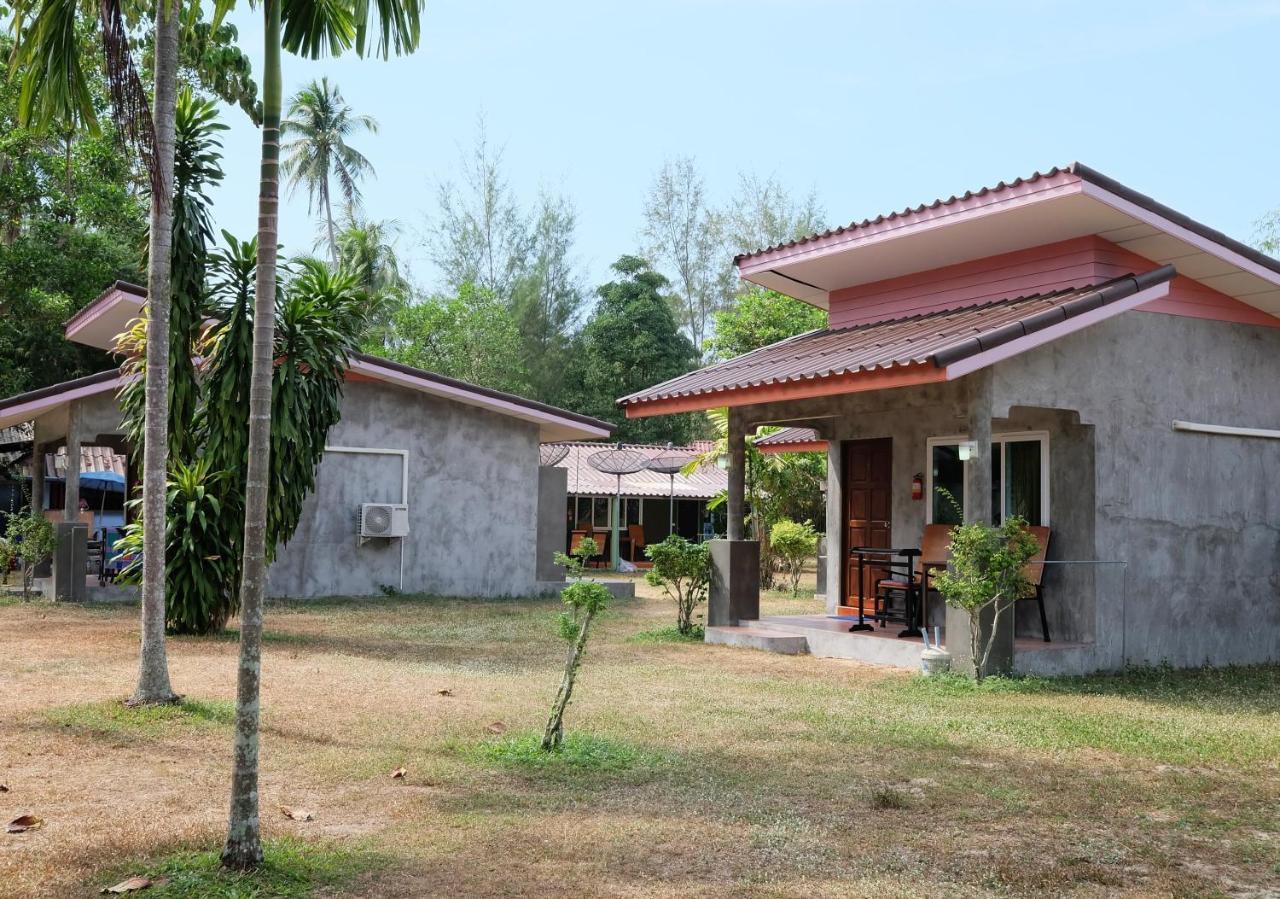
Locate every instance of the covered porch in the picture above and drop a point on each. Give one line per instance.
(906, 407)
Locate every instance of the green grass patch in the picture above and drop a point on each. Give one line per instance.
(290, 868)
(579, 753)
(117, 719)
(668, 635)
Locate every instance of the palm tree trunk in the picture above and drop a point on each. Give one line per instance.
(243, 849)
(328, 215)
(153, 673)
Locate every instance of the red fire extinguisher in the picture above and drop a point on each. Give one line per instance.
(917, 487)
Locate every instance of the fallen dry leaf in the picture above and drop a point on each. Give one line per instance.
(297, 814)
(4, 788)
(134, 883)
(445, 692)
(398, 774)
(23, 823)
(496, 727)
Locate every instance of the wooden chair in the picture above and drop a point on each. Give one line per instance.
(635, 536)
(1033, 571)
(935, 548)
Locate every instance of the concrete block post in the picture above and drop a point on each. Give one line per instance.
(737, 489)
(553, 492)
(977, 509)
(71, 506)
(735, 582)
(836, 560)
(69, 561)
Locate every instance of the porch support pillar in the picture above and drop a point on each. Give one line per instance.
(70, 549)
(737, 475)
(71, 506)
(837, 554)
(978, 510)
(734, 594)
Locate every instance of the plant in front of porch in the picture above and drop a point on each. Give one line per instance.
(29, 538)
(986, 573)
(585, 599)
(683, 570)
(794, 543)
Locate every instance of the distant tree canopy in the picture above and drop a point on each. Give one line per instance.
(72, 220)
(760, 317)
(472, 336)
(632, 341)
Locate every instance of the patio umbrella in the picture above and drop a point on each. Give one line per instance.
(669, 464)
(617, 461)
(106, 481)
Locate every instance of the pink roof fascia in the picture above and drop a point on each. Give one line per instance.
(104, 303)
(404, 379)
(1013, 348)
(37, 407)
(1155, 220)
(936, 215)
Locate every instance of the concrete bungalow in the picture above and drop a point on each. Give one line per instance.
(453, 467)
(1061, 347)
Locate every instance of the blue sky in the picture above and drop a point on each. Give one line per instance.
(873, 105)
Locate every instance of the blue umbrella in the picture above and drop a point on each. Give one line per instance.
(106, 481)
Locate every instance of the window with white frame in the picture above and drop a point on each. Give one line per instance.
(1019, 477)
(594, 512)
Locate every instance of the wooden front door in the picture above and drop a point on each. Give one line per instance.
(868, 512)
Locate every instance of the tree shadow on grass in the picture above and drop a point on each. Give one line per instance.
(1226, 690)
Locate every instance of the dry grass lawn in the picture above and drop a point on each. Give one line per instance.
(698, 771)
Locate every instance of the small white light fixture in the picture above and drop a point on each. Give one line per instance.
(722, 463)
(966, 450)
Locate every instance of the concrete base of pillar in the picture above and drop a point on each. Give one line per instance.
(1001, 659)
(820, 587)
(735, 582)
(70, 556)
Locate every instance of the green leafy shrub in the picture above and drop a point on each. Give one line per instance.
(29, 538)
(683, 570)
(794, 543)
(986, 573)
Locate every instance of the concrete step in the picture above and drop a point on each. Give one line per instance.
(754, 636)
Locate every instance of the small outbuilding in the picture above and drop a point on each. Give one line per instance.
(428, 484)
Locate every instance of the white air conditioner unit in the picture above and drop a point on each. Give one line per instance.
(384, 520)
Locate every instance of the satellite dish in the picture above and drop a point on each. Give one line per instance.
(551, 453)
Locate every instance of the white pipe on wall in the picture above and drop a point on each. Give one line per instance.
(1228, 430)
(404, 478)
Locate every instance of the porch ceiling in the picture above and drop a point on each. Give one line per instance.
(917, 350)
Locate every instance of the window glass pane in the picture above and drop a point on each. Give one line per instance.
(584, 513)
(633, 510)
(1022, 473)
(948, 474)
(600, 510)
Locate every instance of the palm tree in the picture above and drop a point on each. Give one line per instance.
(366, 249)
(308, 28)
(320, 122)
(55, 89)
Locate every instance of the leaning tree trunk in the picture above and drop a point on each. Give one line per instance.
(328, 217)
(153, 674)
(243, 849)
(554, 734)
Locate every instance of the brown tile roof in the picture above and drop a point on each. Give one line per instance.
(704, 483)
(92, 458)
(939, 339)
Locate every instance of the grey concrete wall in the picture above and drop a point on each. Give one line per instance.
(553, 492)
(473, 502)
(1195, 516)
